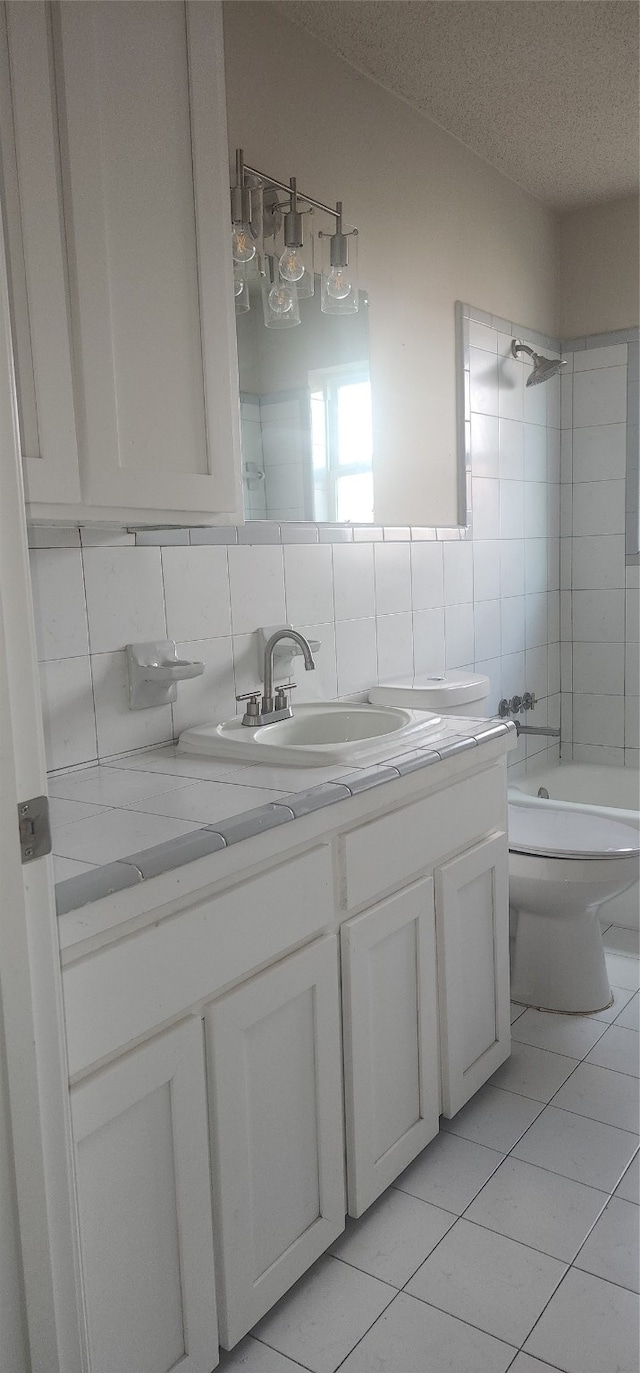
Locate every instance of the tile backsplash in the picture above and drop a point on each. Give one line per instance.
(380, 602)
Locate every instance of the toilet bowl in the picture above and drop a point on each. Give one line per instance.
(563, 865)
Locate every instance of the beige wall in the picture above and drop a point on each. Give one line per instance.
(437, 224)
(598, 249)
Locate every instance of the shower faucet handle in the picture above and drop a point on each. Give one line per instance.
(529, 700)
(515, 704)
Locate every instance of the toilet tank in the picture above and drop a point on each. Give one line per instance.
(450, 693)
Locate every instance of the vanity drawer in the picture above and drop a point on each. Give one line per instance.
(389, 852)
(124, 991)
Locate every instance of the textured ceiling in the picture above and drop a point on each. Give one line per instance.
(545, 90)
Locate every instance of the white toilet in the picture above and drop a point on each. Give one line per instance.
(563, 865)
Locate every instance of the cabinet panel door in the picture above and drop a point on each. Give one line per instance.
(144, 1198)
(390, 1040)
(472, 918)
(276, 1092)
(141, 94)
(36, 254)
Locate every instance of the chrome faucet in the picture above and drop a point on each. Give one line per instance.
(278, 707)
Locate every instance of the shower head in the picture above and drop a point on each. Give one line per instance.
(543, 368)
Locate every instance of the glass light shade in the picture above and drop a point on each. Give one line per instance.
(241, 290)
(242, 245)
(298, 258)
(339, 285)
(279, 299)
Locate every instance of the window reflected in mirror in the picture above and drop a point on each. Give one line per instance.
(306, 416)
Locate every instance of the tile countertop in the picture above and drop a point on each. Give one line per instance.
(115, 824)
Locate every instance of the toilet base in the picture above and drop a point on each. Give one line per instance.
(559, 965)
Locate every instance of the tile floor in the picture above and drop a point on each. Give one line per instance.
(511, 1243)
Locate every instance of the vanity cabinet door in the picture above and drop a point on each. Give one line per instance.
(472, 920)
(141, 94)
(36, 254)
(273, 1048)
(390, 1039)
(144, 1200)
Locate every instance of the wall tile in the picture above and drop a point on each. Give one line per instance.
(322, 683)
(598, 562)
(536, 506)
(512, 615)
(395, 646)
(353, 581)
(484, 445)
(483, 372)
(125, 597)
(536, 621)
(59, 602)
(356, 655)
(196, 589)
(536, 673)
(256, 579)
(536, 572)
(67, 712)
(599, 669)
(487, 630)
(392, 564)
(428, 641)
(485, 499)
(598, 507)
(511, 449)
(308, 580)
(535, 452)
(427, 575)
(599, 453)
(208, 699)
(598, 719)
(512, 567)
(458, 573)
(512, 509)
(613, 356)
(119, 728)
(458, 628)
(486, 570)
(510, 389)
(600, 397)
(598, 617)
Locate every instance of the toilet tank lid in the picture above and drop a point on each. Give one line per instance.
(433, 691)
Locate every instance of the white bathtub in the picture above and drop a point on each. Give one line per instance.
(608, 791)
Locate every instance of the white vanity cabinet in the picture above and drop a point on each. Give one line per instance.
(115, 165)
(390, 1019)
(275, 1070)
(142, 1175)
(351, 972)
(472, 915)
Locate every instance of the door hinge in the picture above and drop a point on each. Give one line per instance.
(35, 831)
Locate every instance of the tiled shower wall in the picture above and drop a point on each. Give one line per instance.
(381, 602)
(600, 612)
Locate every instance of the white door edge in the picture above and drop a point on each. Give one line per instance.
(45, 1259)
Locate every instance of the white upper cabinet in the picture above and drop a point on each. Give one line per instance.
(127, 146)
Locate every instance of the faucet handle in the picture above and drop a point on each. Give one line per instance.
(252, 712)
(281, 700)
(528, 700)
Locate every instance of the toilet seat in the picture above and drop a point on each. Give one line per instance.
(551, 833)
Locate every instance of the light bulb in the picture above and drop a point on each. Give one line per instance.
(238, 283)
(291, 265)
(280, 298)
(338, 283)
(242, 247)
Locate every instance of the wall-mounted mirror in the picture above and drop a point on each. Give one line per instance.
(306, 415)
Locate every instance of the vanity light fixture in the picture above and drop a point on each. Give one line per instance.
(287, 273)
(339, 276)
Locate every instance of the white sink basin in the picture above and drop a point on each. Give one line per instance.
(330, 732)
